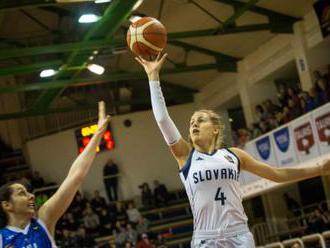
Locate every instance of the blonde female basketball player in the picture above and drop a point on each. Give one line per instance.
(210, 173)
(19, 227)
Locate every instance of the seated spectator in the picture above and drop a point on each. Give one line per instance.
(323, 90)
(72, 224)
(121, 211)
(261, 114)
(129, 244)
(295, 110)
(315, 96)
(286, 114)
(84, 240)
(293, 95)
(160, 193)
(316, 222)
(264, 127)
(98, 202)
(271, 107)
(106, 227)
(131, 234)
(143, 225)
(78, 205)
(282, 95)
(243, 137)
(91, 221)
(160, 242)
(145, 242)
(272, 122)
(133, 213)
(37, 181)
(146, 195)
(256, 131)
(306, 102)
(120, 237)
(67, 239)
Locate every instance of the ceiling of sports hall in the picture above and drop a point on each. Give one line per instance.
(206, 38)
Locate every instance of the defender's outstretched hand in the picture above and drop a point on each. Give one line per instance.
(152, 68)
(103, 118)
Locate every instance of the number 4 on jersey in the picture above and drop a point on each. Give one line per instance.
(220, 196)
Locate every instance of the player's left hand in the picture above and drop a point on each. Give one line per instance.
(103, 118)
(325, 167)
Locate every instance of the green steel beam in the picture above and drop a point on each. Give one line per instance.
(120, 42)
(14, 5)
(239, 12)
(117, 12)
(215, 54)
(112, 77)
(24, 114)
(22, 69)
(263, 11)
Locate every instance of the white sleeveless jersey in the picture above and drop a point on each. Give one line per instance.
(211, 183)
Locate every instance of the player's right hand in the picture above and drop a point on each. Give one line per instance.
(152, 68)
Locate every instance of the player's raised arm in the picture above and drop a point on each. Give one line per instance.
(280, 175)
(55, 207)
(179, 147)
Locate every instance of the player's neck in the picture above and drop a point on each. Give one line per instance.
(208, 148)
(19, 221)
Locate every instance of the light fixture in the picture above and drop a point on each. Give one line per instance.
(134, 18)
(137, 5)
(88, 18)
(102, 1)
(97, 69)
(47, 73)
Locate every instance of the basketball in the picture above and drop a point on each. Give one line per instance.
(146, 37)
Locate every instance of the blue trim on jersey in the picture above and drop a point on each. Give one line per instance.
(185, 169)
(238, 160)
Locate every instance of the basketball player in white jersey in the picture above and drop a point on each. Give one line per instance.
(210, 173)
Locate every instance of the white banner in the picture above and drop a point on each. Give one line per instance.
(321, 119)
(305, 138)
(284, 147)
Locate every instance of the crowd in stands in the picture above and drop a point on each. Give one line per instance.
(291, 103)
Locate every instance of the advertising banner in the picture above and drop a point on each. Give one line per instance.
(284, 147)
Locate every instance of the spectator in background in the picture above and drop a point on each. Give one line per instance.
(282, 94)
(98, 202)
(261, 114)
(160, 193)
(110, 178)
(120, 209)
(145, 242)
(131, 233)
(91, 221)
(293, 95)
(279, 118)
(84, 240)
(160, 242)
(294, 109)
(67, 239)
(256, 131)
(78, 205)
(292, 205)
(286, 114)
(120, 237)
(316, 222)
(143, 225)
(105, 223)
(323, 90)
(128, 244)
(315, 96)
(37, 181)
(264, 127)
(306, 102)
(271, 107)
(146, 196)
(133, 213)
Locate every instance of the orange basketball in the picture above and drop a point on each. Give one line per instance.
(146, 37)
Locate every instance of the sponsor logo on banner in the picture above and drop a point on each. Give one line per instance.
(304, 137)
(263, 147)
(323, 128)
(282, 139)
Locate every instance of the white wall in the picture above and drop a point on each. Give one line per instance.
(141, 153)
